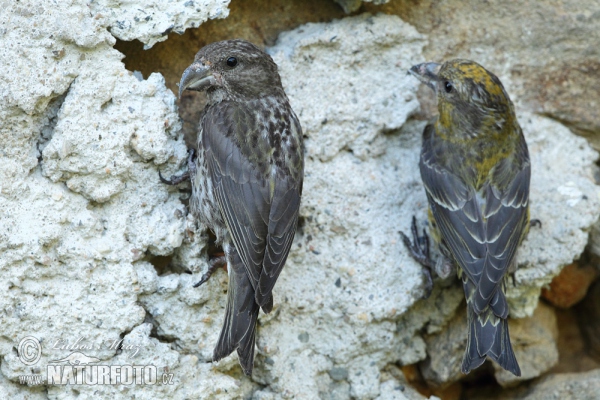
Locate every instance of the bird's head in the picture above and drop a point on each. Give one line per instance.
(469, 96)
(232, 69)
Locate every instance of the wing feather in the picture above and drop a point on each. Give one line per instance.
(482, 230)
(260, 207)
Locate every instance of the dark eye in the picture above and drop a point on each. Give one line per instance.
(448, 87)
(231, 62)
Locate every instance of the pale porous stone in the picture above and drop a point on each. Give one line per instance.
(355, 70)
(336, 322)
(85, 215)
(395, 386)
(564, 197)
(81, 203)
(150, 22)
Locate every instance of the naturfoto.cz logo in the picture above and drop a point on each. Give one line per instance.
(80, 369)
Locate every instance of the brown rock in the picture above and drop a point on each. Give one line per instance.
(550, 58)
(573, 352)
(570, 286)
(534, 341)
(568, 92)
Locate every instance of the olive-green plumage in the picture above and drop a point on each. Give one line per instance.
(476, 171)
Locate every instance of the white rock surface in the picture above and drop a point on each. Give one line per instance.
(151, 21)
(347, 81)
(564, 197)
(85, 216)
(335, 323)
(81, 138)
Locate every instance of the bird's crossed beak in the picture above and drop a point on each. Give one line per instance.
(197, 76)
(426, 73)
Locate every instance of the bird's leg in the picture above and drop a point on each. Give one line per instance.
(216, 261)
(419, 250)
(191, 163)
(535, 222)
(174, 179)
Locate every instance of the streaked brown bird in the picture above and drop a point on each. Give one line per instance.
(476, 171)
(246, 180)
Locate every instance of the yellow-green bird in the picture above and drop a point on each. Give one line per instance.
(476, 171)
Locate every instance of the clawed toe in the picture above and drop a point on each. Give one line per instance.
(419, 246)
(213, 264)
(177, 179)
(174, 179)
(419, 250)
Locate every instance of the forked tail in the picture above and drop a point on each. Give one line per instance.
(488, 336)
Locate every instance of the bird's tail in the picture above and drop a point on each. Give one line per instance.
(239, 327)
(488, 336)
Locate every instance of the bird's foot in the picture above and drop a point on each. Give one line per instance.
(174, 179)
(216, 261)
(535, 222)
(419, 250)
(177, 179)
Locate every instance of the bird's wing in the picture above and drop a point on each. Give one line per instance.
(481, 230)
(260, 208)
(506, 213)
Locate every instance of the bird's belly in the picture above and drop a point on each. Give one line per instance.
(203, 203)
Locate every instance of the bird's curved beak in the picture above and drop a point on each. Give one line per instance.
(196, 77)
(426, 73)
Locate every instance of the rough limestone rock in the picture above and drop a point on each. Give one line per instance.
(564, 197)
(96, 251)
(395, 386)
(82, 206)
(337, 66)
(151, 21)
(584, 385)
(335, 322)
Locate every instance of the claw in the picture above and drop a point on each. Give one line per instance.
(213, 264)
(175, 179)
(191, 162)
(535, 222)
(419, 250)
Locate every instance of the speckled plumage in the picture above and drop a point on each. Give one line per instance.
(476, 171)
(248, 179)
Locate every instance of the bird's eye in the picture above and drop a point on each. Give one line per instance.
(448, 86)
(231, 62)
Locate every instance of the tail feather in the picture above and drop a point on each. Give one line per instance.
(239, 327)
(268, 306)
(488, 336)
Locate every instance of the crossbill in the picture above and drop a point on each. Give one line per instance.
(475, 168)
(246, 180)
